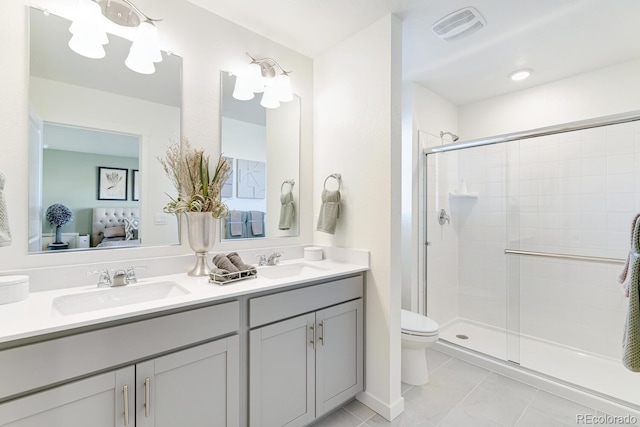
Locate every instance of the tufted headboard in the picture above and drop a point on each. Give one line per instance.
(104, 218)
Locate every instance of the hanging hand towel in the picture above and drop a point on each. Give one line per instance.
(235, 223)
(631, 338)
(5, 233)
(622, 278)
(329, 211)
(256, 218)
(287, 211)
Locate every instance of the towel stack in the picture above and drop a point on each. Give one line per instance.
(5, 233)
(230, 267)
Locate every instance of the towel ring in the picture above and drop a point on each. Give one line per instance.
(335, 176)
(291, 183)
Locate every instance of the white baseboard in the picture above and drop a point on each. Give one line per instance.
(389, 412)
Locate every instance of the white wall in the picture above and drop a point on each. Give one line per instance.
(207, 44)
(357, 134)
(431, 114)
(606, 91)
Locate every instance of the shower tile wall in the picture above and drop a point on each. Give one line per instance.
(569, 193)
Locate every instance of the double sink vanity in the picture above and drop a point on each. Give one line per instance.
(284, 348)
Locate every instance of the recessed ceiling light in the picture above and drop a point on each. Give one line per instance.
(516, 76)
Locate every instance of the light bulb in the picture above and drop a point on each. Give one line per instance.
(88, 30)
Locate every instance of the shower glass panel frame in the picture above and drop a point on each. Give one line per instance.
(570, 193)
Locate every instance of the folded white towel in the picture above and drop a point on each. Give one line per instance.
(5, 233)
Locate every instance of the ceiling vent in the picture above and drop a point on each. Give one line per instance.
(459, 24)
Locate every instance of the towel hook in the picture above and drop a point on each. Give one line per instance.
(291, 183)
(335, 176)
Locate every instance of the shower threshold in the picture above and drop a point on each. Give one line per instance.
(602, 376)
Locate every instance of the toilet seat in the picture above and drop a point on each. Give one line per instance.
(415, 324)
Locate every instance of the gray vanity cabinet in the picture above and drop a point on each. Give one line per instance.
(97, 402)
(197, 387)
(305, 366)
(180, 369)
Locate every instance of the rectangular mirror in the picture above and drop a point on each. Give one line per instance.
(96, 131)
(263, 148)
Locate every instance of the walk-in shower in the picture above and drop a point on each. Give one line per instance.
(526, 269)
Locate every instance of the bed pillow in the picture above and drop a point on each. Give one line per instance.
(131, 226)
(114, 232)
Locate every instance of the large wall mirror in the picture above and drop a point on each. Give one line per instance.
(96, 131)
(263, 147)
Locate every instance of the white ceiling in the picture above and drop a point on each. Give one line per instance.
(557, 38)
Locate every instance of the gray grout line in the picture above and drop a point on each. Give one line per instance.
(464, 398)
(527, 407)
(356, 417)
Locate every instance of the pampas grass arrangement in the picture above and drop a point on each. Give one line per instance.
(198, 187)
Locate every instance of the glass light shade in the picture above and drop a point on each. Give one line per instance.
(87, 47)
(270, 97)
(139, 63)
(146, 45)
(88, 30)
(254, 78)
(241, 90)
(283, 84)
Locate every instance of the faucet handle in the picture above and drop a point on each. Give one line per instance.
(131, 273)
(104, 280)
(262, 259)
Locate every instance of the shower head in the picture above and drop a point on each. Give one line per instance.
(454, 138)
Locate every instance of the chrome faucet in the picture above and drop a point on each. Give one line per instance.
(119, 278)
(104, 280)
(262, 260)
(274, 258)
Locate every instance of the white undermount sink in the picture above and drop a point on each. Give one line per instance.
(115, 297)
(282, 271)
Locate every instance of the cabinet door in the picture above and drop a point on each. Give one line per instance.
(281, 373)
(339, 361)
(97, 402)
(197, 387)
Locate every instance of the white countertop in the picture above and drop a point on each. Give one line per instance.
(35, 316)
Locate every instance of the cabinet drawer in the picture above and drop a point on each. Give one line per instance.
(64, 358)
(282, 305)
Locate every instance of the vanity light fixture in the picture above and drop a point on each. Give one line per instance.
(267, 76)
(89, 34)
(519, 75)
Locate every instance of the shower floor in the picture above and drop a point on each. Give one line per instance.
(603, 374)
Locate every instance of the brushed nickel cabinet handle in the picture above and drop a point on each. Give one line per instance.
(313, 340)
(147, 403)
(125, 398)
(321, 337)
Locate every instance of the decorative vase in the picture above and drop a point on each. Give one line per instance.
(202, 233)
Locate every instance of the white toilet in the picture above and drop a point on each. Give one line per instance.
(418, 332)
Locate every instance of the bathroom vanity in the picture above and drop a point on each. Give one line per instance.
(261, 352)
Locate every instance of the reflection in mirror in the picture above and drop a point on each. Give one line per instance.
(263, 147)
(96, 130)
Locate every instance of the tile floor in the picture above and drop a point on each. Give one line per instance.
(460, 394)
